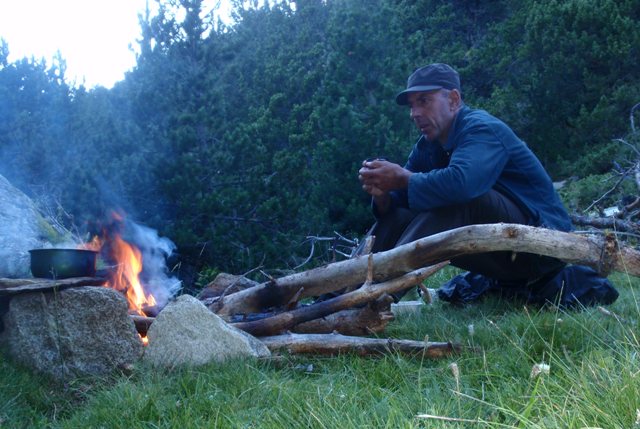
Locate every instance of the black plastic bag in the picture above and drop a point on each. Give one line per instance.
(572, 286)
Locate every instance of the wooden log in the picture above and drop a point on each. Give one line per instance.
(332, 344)
(368, 292)
(601, 253)
(370, 319)
(356, 321)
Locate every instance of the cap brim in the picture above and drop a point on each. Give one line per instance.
(403, 98)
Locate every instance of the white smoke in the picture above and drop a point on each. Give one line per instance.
(155, 251)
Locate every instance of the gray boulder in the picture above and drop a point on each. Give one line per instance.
(74, 332)
(21, 228)
(187, 333)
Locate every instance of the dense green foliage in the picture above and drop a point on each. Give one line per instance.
(592, 380)
(238, 141)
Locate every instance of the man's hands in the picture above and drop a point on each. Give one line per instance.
(379, 177)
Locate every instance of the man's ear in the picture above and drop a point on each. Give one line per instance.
(455, 99)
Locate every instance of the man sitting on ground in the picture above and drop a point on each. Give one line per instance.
(468, 168)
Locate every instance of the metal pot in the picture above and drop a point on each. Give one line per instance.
(63, 263)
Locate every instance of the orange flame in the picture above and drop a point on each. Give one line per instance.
(95, 244)
(127, 275)
(128, 266)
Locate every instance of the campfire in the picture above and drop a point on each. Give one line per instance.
(132, 259)
(124, 274)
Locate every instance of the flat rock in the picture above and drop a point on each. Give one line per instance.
(74, 332)
(19, 286)
(187, 333)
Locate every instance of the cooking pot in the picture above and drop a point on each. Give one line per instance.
(63, 263)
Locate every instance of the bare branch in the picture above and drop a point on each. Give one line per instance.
(600, 232)
(606, 194)
(311, 252)
(336, 243)
(607, 222)
(633, 147)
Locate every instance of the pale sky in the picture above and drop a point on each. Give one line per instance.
(93, 36)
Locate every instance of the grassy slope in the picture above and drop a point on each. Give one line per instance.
(594, 380)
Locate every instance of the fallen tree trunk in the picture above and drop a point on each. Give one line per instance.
(600, 253)
(332, 344)
(368, 292)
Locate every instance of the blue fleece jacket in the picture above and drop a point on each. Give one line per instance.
(481, 153)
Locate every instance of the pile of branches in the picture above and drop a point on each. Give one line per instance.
(287, 305)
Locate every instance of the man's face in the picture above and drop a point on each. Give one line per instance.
(433, 113)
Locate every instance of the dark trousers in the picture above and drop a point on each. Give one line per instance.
(402, 226)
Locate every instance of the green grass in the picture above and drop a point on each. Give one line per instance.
(594, 380)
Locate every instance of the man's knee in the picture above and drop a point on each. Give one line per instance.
(389, 228)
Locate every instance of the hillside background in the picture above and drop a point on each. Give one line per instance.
(237, 141)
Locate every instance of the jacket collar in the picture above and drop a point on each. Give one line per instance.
(451, 143)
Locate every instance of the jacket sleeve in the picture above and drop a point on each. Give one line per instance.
(418, 161)
(474, 168)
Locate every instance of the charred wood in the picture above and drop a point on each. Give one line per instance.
(142, 323)
(370, 319)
